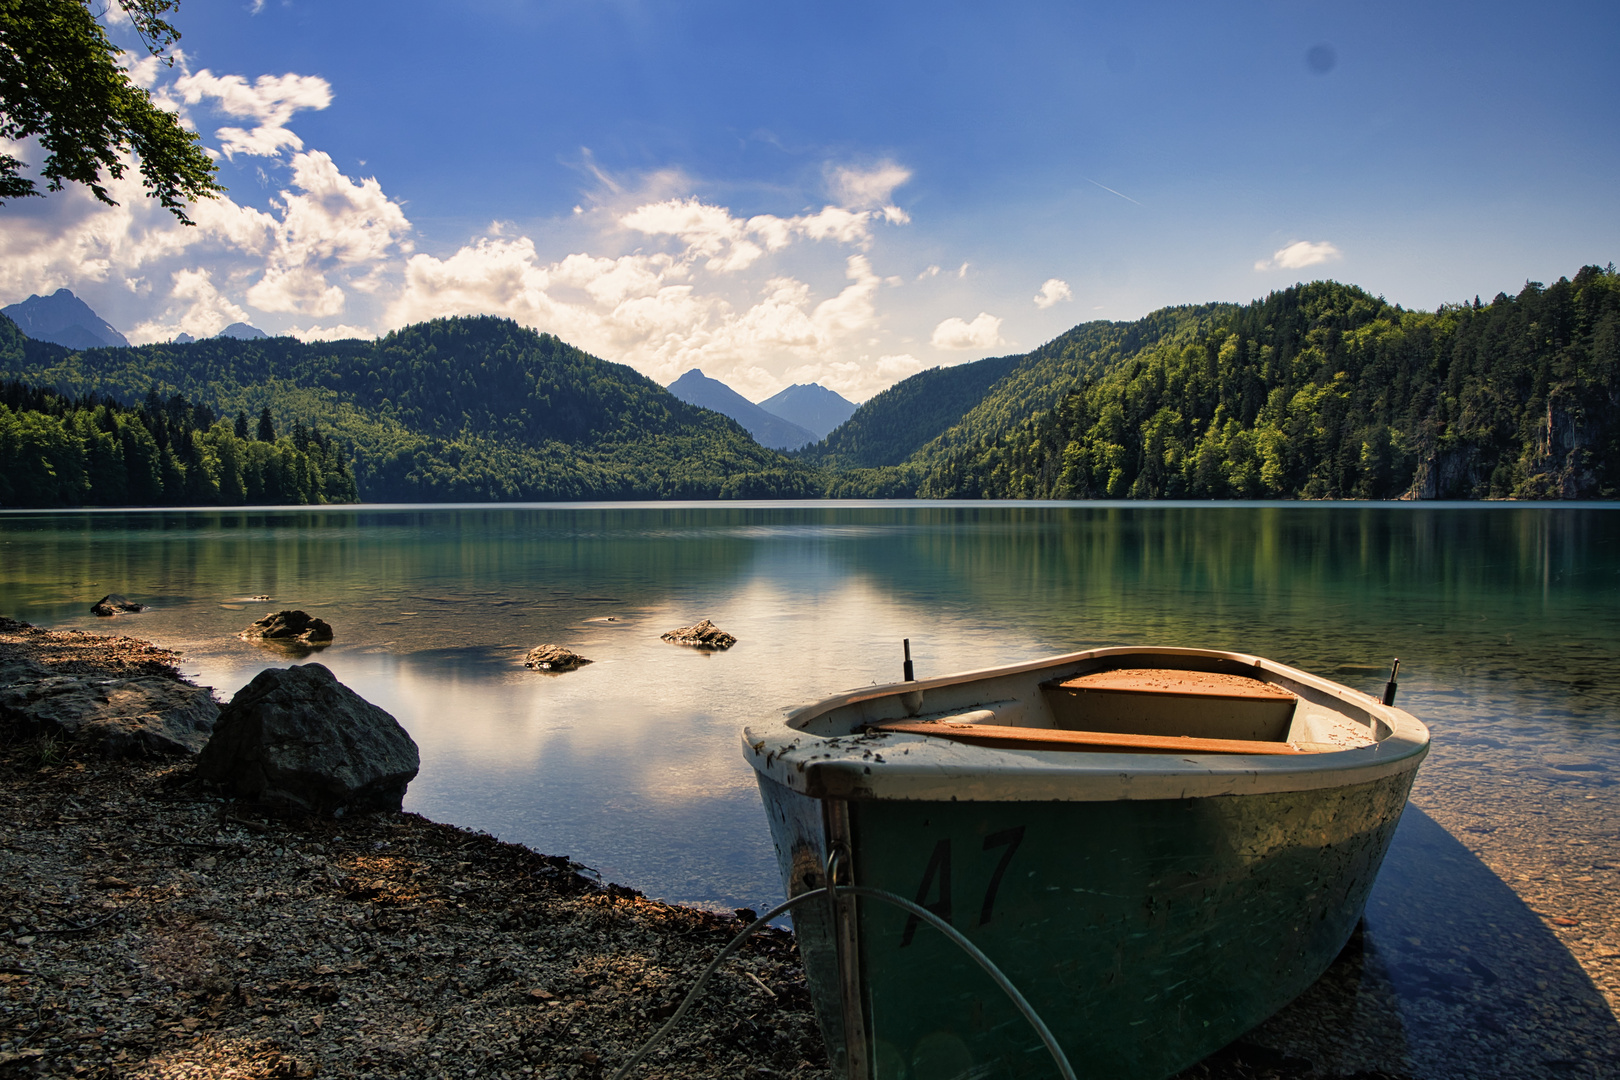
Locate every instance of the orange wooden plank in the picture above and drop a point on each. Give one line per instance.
(1177, 682)
(1021, 738)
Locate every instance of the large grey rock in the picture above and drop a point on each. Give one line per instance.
(299, 739)
(149, 714)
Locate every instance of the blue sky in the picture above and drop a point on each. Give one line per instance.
(846, 194)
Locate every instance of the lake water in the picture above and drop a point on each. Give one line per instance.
(1491, 942)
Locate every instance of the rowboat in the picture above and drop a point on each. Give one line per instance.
(1159, 847)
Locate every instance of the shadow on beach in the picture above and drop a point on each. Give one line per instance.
(1450, 975)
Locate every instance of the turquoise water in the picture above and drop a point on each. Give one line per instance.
(1506, 619)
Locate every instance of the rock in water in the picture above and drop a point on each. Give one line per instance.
(298, 739)
(553, 658)
(290, 627)
(705, 635)
(151, 714)
(112, 604)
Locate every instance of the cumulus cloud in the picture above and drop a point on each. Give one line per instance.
(328, 222)
(656, 277)
(197, 308)
(1053, 291)
(326, 236)
(727, 243)
(639, 309)
(1300, 254)
(271, 100)
(894, 368)
(984, 332)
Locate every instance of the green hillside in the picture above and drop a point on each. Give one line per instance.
(1318, 391)
(1323, 391)
(1040, 379)
(90, 451)
(883, 450)
(892, 426)
(469, 408)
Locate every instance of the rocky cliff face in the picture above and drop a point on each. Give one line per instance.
(1566, 449)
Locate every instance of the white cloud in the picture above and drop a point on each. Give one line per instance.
(655, 277)
(328, 221)
(329, 333)
(270, 99)
(892, 369)
(728, 244)
(1300, 254)
(866, 188)
(932, 271)
(1053, 291)
(640, 309)
(984, 332)
(204, 310)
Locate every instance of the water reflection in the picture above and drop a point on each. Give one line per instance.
(1507, 620)
(1453, 976)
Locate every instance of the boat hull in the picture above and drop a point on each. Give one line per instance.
(1154, 868)
(1147, 934)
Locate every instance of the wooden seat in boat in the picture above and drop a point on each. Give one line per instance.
(1023, 738)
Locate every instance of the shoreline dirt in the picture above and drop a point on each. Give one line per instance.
(149, 929)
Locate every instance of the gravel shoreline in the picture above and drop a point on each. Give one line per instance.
(152, 934)
(151, 929)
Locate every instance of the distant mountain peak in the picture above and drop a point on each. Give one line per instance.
(64, 319)
(241, 331)
(768, 429)
(811, 406)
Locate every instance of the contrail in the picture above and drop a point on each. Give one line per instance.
(1110, 190)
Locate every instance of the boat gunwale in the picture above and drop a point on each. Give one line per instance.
(918, 767)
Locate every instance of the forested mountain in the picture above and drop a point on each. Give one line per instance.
(90, 451)
(894, 425)
(1318, 391)
(470, 408)
(1322, 391)
(883, 450)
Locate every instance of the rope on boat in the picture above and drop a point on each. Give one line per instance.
(1065, 1070)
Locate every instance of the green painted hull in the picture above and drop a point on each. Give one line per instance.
(1146, 934)
(1151, 906)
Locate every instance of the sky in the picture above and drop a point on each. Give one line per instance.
(842, 193)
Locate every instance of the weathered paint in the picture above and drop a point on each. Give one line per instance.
(1145, 934)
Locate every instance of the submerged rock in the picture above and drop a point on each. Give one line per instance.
(114, 604)
(149, 714)
(297, 739)
(704, 635)
(290, 627)
(553, 658)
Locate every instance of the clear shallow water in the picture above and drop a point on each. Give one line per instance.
(1506, 618)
